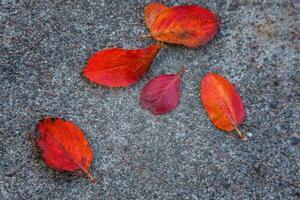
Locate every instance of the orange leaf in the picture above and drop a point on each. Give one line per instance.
(151, 11)
(188, 25)
(63, 146)
(222, 103)
(116, 67)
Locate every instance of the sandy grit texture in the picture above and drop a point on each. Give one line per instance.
(43, 48)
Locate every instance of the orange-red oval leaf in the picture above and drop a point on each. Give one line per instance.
(188, 25)
(161, 94)
(151, 11)
(116, 67)
(63, 146)
(222, 103)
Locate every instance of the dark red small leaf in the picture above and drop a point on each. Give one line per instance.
(161, 94)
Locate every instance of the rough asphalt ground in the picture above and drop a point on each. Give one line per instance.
(181, 155)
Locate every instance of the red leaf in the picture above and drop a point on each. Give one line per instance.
(63, 146)
(222, 103)
(151, 11)
(188, 25)
(161, 94)
(116, 67)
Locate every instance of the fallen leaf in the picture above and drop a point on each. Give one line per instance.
(151, 11)
(188, 25)
(222, 103)
(161, 94)
(116, 67)
(63, 146)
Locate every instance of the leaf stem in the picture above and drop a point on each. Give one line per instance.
(161, 43)
(181, 70)
(241, 135)
(32, 140)
(145, 36)
(89, 175)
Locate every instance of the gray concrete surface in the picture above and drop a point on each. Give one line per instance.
(44, 46)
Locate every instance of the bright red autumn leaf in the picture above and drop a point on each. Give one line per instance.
(116, 67)
(151, 11)
(161, 94)
(222, 103)
(63, 146)
(188, 25)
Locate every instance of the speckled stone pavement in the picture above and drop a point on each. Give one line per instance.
(181, 155)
